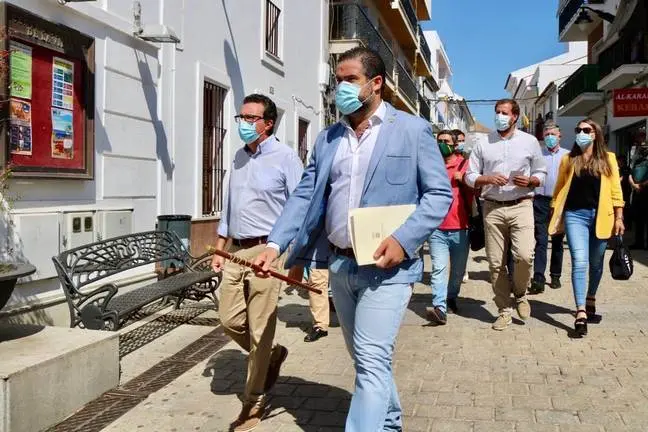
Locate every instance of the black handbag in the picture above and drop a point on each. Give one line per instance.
(621, 265)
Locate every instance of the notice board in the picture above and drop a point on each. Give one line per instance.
(49, 88)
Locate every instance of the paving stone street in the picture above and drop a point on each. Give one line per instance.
(459, 377)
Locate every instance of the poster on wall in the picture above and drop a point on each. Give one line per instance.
(62, 83)
(62, 134)
(20, 70)
(20, 127)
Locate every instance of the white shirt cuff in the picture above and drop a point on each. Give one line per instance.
(274, 246)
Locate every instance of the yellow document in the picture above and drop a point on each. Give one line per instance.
(369, 226)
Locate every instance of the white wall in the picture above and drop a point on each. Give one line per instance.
(224, 45)
(148, 113)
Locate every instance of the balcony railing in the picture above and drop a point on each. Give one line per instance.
(627, 50)
(349, 21)
(406, 84)
(571, 9)
(424, 47)
(424, 107)
(584, 80)
(408, 7)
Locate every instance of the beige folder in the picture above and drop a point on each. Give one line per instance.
(368, 226)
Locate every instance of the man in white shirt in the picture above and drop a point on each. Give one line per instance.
(552, 153)
(508, 167)
(263, 174)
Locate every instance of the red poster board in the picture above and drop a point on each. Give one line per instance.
(41, 114)
(50, 98)
(631, 102)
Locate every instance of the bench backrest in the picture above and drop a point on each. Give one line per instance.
(87, 264)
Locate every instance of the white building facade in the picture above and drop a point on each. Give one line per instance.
(612, 87)
(162, 114)
(449, 109)
(535, 87)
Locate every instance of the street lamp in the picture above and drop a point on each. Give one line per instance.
(584, 18)
(159, 33)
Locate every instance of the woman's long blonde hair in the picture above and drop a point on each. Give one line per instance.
(598, 164)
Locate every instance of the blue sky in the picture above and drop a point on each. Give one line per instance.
(486, 40)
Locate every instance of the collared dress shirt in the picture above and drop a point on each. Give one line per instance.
(258, 187)
(552, 159)
(348, 174)
(520, 153)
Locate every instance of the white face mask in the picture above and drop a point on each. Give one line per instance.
(502, 122)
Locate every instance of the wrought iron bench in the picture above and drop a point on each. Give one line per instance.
(103, 307)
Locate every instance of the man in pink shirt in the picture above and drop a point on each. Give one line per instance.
(449, 244)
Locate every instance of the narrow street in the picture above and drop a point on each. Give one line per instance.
(461, 377)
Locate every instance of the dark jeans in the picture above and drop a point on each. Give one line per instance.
(639, 209)
(541, 212)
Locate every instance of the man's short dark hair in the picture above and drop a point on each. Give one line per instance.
(372, 63)
(457, 132)
(448, 132)
(269, 107)
(514, 105)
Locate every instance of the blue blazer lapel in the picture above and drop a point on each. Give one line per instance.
(386, 131)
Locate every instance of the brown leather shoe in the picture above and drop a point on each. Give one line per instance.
(249, 418)
(278, 356)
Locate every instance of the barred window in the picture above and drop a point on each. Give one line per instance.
(213, 134)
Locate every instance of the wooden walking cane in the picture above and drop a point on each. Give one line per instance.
(256, 268)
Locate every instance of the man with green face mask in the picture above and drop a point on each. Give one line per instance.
(450, 244)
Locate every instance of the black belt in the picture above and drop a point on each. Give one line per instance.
(509, 203)
(343, 252)
(543, 197)
(250, 242)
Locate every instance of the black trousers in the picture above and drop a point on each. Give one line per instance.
(639, 210)
(541, 212)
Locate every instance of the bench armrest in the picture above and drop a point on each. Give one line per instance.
(99, 296)
(201, 263)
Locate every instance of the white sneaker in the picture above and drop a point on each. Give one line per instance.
(465, 278)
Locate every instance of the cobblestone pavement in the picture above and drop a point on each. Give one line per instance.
(459, 377)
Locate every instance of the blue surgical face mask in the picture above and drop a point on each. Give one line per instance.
(347, 98)
(459, 148)
(247, 132)
(551, 141)
(502, 122)
(583, 139)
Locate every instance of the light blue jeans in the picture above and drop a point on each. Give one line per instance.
(587, 252)
(447, 247)
(370, 316)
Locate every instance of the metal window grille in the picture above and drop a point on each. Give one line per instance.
(213, 134)
(272, 28)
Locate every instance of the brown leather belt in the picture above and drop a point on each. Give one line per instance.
(509, 203)
(250, 242)
(342, 252)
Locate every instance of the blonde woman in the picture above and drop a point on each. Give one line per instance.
(588, 203)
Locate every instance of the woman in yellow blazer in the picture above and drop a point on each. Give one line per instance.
(588, 204)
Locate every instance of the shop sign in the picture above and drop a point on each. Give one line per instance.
(631, 102)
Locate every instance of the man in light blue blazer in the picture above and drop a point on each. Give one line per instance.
(374, 156)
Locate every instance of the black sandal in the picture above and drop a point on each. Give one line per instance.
(580, 325)
(590, 308)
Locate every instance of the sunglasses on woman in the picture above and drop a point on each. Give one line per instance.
(587, 130)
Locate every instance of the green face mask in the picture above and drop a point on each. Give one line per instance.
(445, 149)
